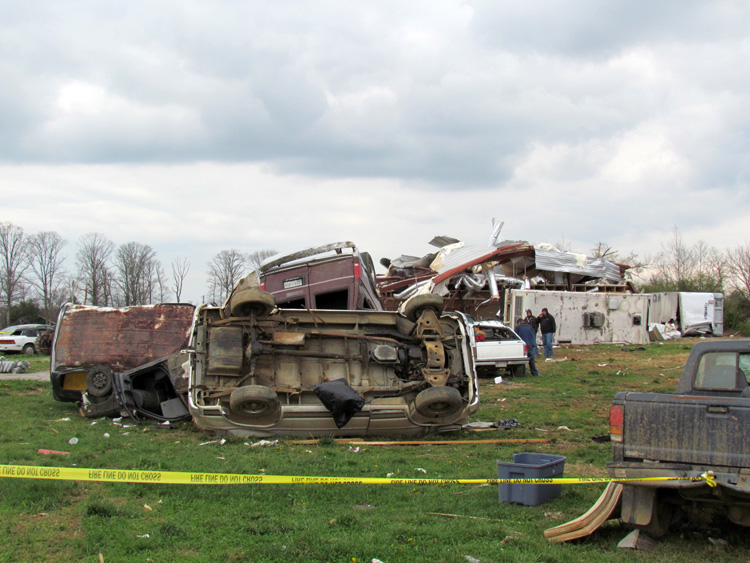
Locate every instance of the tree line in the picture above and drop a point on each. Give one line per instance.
(681, 266)
(35, 282)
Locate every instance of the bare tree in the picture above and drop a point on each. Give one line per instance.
(607, 252)
(710, 268)
(180, 269)
(255, 259)
(224, 272)
(738, 265)
(46, 269)
(94, 251)
(136, 266)
(161, 282)
(675, 264)
(563, 245)
(14, 262)
(73, 289)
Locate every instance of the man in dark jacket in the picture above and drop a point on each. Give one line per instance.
(548, 328)
(528, 335)
(531, 321)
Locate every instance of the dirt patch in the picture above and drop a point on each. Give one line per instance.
(36, 391)
(34, 376)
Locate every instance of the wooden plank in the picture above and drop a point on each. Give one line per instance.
(585, 524)
(360, 442)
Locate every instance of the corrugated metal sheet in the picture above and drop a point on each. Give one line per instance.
(122, 338)
(577, 264)
(452, 260)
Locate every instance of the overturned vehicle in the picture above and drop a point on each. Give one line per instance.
(123, 361)
(257, 370)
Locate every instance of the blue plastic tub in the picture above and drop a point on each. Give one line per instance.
(530, 466)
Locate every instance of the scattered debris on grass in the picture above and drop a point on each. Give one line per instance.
(264, 443)
(637, 540)
(501, 424)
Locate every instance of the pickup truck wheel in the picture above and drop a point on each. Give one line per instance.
(29, 350)
(253, 400)
(436, 402)
(250, 301)
(414, 307)
(517, 371)
(99, 381)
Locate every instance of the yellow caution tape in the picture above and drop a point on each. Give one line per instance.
(710, 478)
(197, 478)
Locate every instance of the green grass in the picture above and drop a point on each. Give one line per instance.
(76, 521)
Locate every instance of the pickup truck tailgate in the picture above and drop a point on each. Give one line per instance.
(686, 429)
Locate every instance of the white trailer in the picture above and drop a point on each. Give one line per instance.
(694, 312)
(585, 317)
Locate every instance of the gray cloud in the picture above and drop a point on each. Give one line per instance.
(452, 98)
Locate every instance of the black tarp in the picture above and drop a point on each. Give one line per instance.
(339, 398)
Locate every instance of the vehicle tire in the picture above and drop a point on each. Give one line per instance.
(438, 402)
(414, 307)
(29, 349)
(517, 371)
(251, 301)
(253, 400)
(99, 381)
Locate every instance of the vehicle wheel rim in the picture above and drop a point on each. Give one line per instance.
(254, 407)
(441, 407)
(99, 381)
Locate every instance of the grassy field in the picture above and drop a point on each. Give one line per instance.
(567, 405)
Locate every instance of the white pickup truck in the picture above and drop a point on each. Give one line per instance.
(495, 346)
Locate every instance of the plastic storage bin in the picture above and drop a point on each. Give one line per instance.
(530, 466)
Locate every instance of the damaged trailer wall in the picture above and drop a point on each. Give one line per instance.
(694, 312)
(585, 318)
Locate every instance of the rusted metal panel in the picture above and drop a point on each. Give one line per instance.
(121, 338)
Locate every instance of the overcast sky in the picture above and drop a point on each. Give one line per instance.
(199, 126)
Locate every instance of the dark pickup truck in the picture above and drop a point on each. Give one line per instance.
(703, 427)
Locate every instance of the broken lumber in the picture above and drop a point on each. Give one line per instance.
(357, 442)
(602, 510)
